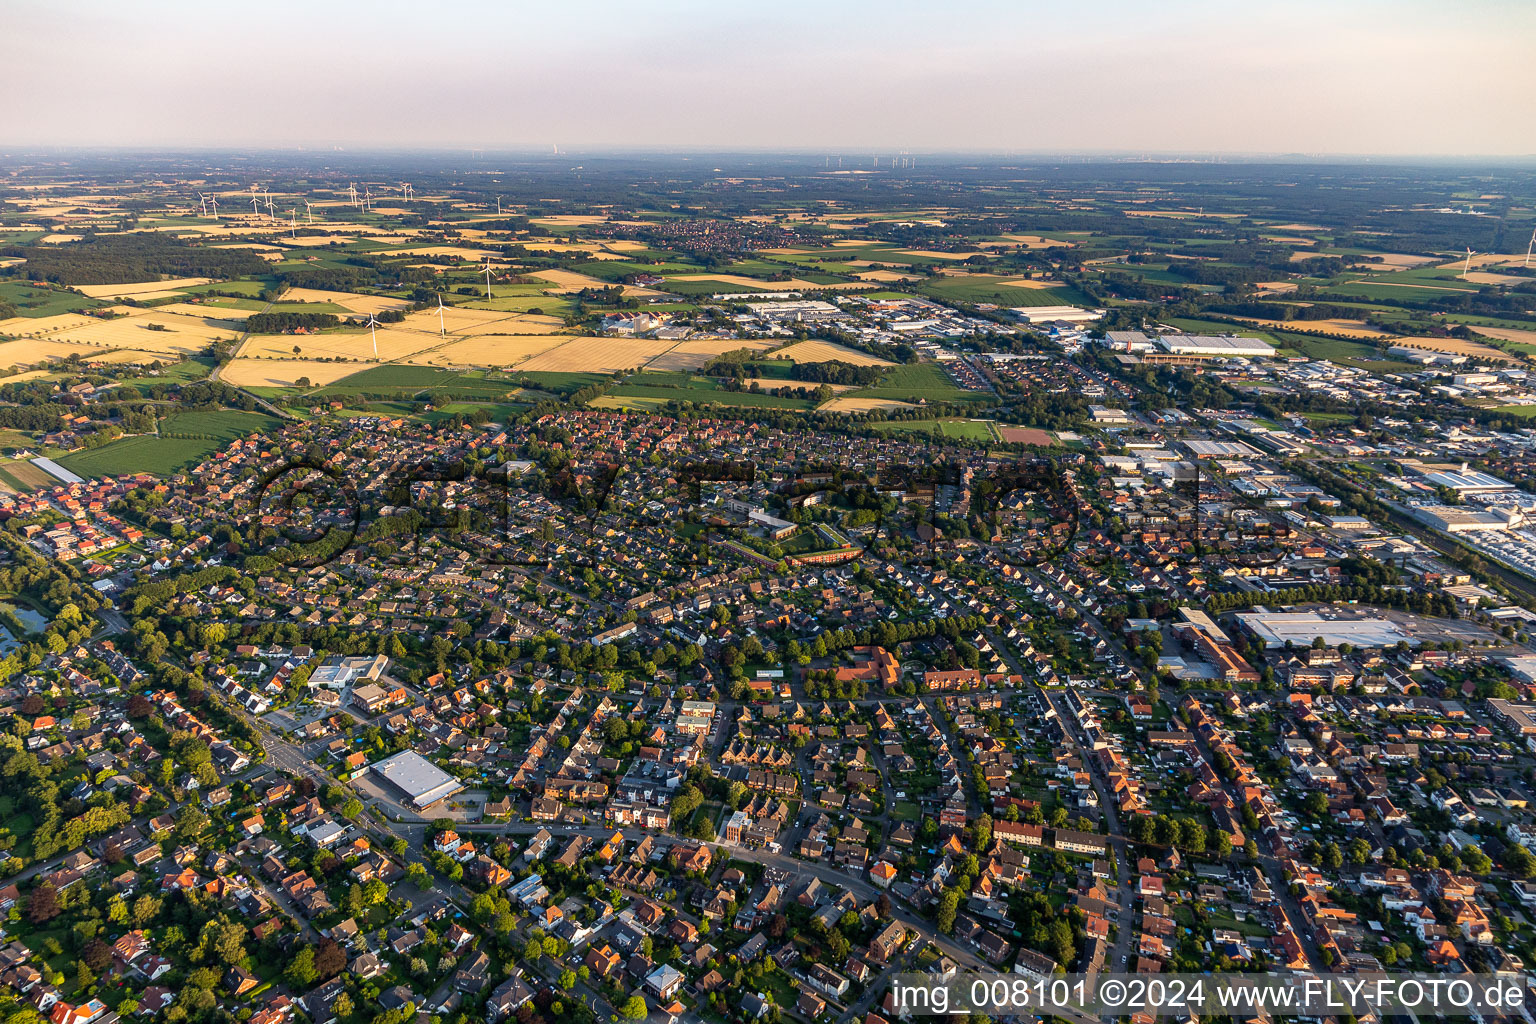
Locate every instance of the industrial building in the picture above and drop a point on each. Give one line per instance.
(422, 782)
(1274, 629)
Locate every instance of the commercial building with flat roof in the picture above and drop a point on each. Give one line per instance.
(422, 782)
(1301, 628)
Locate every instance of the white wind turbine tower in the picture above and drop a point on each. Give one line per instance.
(487, 277)
(1528, 247)
(203, 201)
(367, 199)
(372, 325)
(270, 214)
(309, 212)
(498, 206)
(255, 200)
(1468, 267)
(352, 192)
(441, 327)
(293, 222)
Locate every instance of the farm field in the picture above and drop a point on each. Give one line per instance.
(39, 302)
(846, 404)
(1347, 328)
(826, 351)
(917, 382)
(350, 301)
(1459, 347)
(198, 435)
(282, 373)
(598, 355)
(145, 290)
(965, 430)
(985, 288)
(707, 392)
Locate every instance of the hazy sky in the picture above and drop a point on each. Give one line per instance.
(1296, 76)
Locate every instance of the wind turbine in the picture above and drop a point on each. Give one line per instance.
(498, 206)
(487, 277)
(367, 199)
(203, 201)
(441, 327)
(255, 201)
(1528, 246)
(270, 214)
(1469, 263)
(371, 330)
(352, 192)
(308, 212)
(293, 222)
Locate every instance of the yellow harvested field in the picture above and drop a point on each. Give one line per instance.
(825, 351)
(569, 220)
(1394, 260)
(568, 281)
(878, 262)
(26, 375)
(1505, 334)
(1288, 239)
(1036, 241)
(279, 373)
(1346, 328)
(144, 290)
(1277, 287)
(411, 339)
(1486, 259)
(1296, 227)
(848, 243)
(884, 276)
(598, 355)
(42, 326)
(794, 284)
(862, 405)
(32, 351)
(173, 334)
(779, 384)
(694, 353)
(1177, 214)
(1459, 347)
(933, 254)
(489, 350)
(59, 239)
(1484, 277)
(1030, 282)
(346, 300)
(235, 316)
(473, 255)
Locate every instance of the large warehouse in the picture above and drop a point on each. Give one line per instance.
(1273, 629)
(422, 782)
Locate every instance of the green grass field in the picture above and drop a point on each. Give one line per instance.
(223, 425)
(978, 291)
(710, 393)
(177, 373)
(30, 301)
(967, 430)
(186, 439)
(926, 381)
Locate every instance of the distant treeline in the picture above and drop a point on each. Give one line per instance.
(128, 259)
(277, 323)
